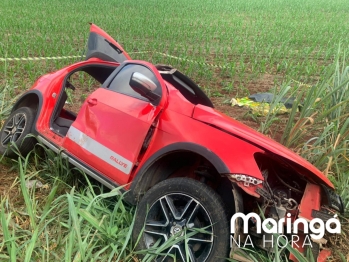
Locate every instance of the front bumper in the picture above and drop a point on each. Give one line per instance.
(323, 203)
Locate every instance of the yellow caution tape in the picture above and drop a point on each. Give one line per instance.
(4, 59)
(301, 83)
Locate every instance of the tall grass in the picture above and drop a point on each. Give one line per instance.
(318, 124)
(63, 223)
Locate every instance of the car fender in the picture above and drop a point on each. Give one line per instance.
(28, 99)
(237, 129)
(187, 146)
(141, 179)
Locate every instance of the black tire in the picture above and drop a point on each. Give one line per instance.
(16, 129)
(205, 209)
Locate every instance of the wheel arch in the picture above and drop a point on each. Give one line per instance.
(165, 162)
(32, 99)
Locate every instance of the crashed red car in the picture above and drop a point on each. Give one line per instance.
(151, 128)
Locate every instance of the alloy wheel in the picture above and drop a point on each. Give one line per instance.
(173, 215)
(14, 128)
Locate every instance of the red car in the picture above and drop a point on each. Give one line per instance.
(151, 128)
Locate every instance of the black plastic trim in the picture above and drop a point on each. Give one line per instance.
(137, 183)
(101, 176)
(99, 47)
(322, 215)
(107, 182)
(189, 89)
(333, 199)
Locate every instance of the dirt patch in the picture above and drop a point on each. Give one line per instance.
(8, 181)
(264, 83)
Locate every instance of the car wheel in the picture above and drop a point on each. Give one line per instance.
(15, 130)
(179, 206)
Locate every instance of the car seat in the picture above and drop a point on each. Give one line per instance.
(61, 125)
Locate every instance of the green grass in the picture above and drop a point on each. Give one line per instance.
(293, 39)
(68, 224)
(288, 41)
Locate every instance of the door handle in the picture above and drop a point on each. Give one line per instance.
(92, 101)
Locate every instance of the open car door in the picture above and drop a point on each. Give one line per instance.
(103, 46)
(116, 122)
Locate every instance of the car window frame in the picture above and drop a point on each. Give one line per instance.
(113, 75)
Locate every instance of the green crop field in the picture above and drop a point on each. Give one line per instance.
(230, 48)
(289, 39)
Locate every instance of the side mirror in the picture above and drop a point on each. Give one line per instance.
(143, 86)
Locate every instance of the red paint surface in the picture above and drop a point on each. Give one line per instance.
(311, 200)
(324, 254)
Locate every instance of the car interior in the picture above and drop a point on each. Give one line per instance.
(187, 87)
(65, 112)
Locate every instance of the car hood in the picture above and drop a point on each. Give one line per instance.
(221, 121)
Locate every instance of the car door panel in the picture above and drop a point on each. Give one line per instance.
(103, 46)
(103, 159)
(142, 110)
(109, 132)
(111, 135)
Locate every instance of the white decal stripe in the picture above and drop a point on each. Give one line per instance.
(99, 150)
